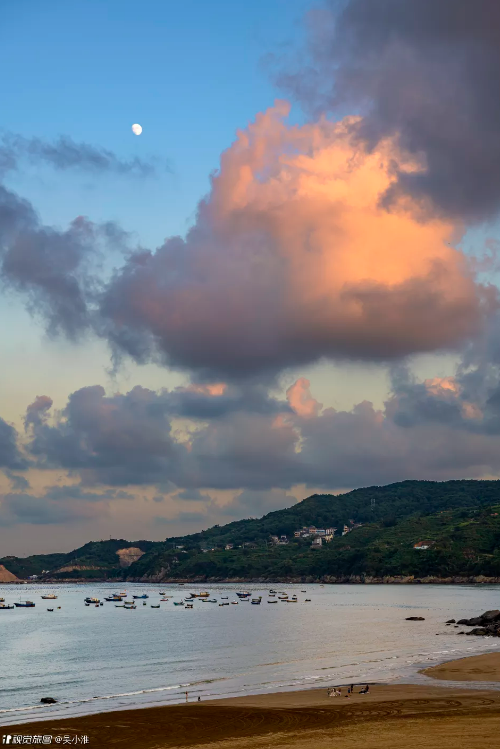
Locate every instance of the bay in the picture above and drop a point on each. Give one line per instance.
(107, 658)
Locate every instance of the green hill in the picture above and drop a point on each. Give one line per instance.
(459, 520)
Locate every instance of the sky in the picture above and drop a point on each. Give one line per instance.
(287, 284)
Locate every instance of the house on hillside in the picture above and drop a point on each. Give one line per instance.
(317, 543)
(422, 545)
(228, 547)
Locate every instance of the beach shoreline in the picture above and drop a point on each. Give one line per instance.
(389, 716)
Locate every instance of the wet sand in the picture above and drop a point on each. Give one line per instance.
(484, 667)
(391, 717)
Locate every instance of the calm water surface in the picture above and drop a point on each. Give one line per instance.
(107, 658)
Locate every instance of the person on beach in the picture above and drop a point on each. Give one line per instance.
(186, 696)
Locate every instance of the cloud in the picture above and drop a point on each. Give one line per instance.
(64, 153)
(424, 72)
(10, 456)
(54, 270)
(192, 495)
(293, 258)
(436, 429)
(17, 509)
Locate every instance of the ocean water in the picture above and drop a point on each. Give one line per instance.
(107, 658)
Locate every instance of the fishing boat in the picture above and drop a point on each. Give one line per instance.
(162, 593)
(25, 605)
(144, 595)
(92, 600)
(224, 604)
(272, 592)
(283, 598)
(130, 607)
(178, 603)
(272, 601)
(188, 606)
(155, 607)
(234, 603)
(49, 597)
(114, 597)
(209, 600)
(224, 598)
(4, 606)
(255, 601)
(164, 600)
(50, 609)
(244, 594)
(120, 606)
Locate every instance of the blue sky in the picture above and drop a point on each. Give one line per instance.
(190, 73)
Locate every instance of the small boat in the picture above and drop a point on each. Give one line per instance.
(164, 600)
(2, 600)
(6, 606)
(224, 598)
(178, 603)
(272, 592)
(283, 598)
(272, 601)
(130, 607)
(154, 607)
(49, 597)
(25, 605)
(224, 604)
(96, 605)
(50, 609)
(87, 604)
(161, 592)
(303, 591)
(188, 606)
(209, 600)
(144, 595)
(120, 606)
(244, 594)
(92, 600)
(234, 603)
(255, 601)
(307, 600)
(114, 597)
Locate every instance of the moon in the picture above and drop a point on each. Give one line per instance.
(136, 129)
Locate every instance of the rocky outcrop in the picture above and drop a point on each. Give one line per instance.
(6, 576)
(129, 556)
(486, 624)
(415, 619)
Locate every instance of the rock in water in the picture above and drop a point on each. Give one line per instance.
(48, 700)
(415, 619)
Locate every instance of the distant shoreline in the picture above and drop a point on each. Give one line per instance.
(352, 580)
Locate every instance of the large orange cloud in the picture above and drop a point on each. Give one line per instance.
(293, 257)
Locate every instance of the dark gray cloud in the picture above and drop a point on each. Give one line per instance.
(64, 154)
(428, 430)
(16, 509)
(426, 70)
(50, 268)
(192, 495)
(10, 456)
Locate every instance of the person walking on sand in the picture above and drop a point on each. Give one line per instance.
(186, 696)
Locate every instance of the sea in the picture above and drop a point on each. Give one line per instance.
(108, 658)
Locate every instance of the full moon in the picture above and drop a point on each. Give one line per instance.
(136, 129)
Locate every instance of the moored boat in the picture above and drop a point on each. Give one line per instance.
(243, 594)
(144, 595)
(49, 597)
(4, 606)
(153, 606)
(92, 600)
(25, 604)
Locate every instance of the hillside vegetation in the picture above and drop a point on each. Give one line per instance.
(460, 520)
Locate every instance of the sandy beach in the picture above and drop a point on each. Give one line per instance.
(391, 716)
